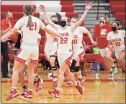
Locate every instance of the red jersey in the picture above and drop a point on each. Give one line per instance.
(101, 34)
(5, 24)
(99, 30)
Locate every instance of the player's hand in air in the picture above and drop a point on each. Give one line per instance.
(42, 7)
(89, 6)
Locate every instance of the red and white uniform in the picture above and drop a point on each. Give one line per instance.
(30, 39)
(117, 41)
(65, 50)
(79, 46)
(51, 43)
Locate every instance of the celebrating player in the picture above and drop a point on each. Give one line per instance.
(79, 47)
(51, 48)
(30, 27)
(65, 52)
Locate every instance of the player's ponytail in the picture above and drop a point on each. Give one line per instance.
(28, 10)
(29, 20)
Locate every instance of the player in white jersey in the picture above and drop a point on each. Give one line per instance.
(116, 44)
(29, 51)
(79, 48)
(50, 50)
(65, 51)
(37, 78)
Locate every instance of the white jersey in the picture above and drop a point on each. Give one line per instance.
(78, 36)
(65, 40)
(29, 34)
(49, 38)
(117, 39)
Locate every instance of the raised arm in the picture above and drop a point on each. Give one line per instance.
(42, 7)
(53, 34)
(43, 27)
(89, 35)
(88, 7)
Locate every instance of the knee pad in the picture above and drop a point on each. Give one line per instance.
(49, 67)
(72, 70)
(73, 63)
(73, 67)
(77, 69)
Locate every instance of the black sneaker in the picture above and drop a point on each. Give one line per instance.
(6, 77)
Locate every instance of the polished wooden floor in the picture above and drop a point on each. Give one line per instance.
(103, 91)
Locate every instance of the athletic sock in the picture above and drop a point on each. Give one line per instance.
(29, 89)
(13, 88)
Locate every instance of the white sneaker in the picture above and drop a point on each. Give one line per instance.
(97, 76)
(115, 70)
(111, 75)
(50, 75)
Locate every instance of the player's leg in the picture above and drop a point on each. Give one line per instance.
(121, 60)
(15, 78)
(37, 79)
(32, 65)
(47, 51)
(61, 71)
(110, 62)
(79, 53)
(78, 71)
(54, 69)
(103, 55)
(72, 78)
(22, 80)
(30, 69)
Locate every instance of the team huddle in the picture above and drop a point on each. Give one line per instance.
(63, 49)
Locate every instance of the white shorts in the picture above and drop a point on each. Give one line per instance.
(50, 50)
(103, 52)
(79, 50)
(118, 52)
(64, 58)
(28, 53)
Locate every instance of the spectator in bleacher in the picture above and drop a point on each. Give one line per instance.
(101, 30)
(6, 25)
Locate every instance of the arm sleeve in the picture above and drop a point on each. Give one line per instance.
(18, 24)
